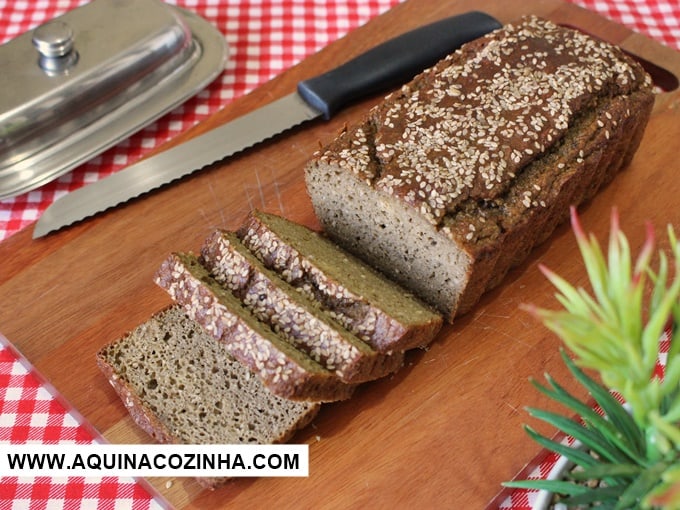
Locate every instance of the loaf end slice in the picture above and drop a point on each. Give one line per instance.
(296, 318)
(286, 371)
(182, 386)
(376, 309)
(453, 179)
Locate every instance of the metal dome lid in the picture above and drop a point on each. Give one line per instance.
(86, 80)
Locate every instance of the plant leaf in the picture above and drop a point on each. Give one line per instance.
(555, 486)
(656, 324)
(572, 453)
(659, 280)
(605, 497)
(641, 487)
(613, 409)
(667, 493)
(631, 446)
(591, 439)
(602, 470)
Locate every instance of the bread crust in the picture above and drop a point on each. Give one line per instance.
(453, 179)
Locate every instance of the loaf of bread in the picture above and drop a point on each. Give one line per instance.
(296, 318)
(453, 179)
(285, 370)
(376, 309)
(182, 386)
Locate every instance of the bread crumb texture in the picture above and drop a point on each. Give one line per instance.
(194, 389)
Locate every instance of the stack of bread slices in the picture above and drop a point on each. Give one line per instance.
(268, 322)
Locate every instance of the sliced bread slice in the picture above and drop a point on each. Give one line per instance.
(291, 314)
(377, 310)
(181, 386)
(286, 371)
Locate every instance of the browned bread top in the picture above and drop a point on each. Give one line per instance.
(464, 129)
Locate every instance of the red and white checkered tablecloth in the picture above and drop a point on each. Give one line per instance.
(265, 38)
(32, 411)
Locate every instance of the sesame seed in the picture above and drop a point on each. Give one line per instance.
(455, 128)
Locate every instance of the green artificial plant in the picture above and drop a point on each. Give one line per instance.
(632, 451)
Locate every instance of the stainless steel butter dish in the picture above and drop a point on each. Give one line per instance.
(84, 81)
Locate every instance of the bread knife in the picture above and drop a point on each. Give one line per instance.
(388, 65)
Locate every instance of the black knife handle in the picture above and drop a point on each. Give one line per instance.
(394, 62)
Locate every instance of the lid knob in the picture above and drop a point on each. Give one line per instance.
(54, 42)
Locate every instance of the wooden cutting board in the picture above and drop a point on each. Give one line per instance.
(442, 433)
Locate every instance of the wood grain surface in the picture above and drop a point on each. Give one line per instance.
(442, 433)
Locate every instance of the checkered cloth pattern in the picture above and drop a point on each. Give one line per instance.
(32, 412)
(265, 38)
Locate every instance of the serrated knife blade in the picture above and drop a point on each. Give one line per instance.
(387, 65)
